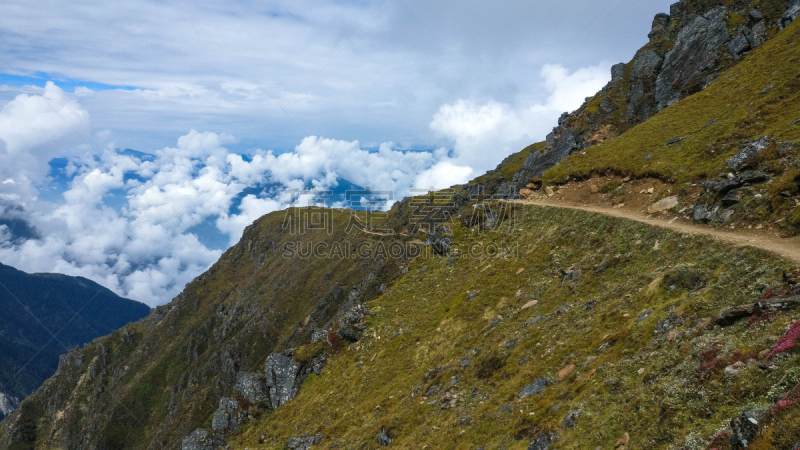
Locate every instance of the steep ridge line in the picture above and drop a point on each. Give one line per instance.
(787, 248)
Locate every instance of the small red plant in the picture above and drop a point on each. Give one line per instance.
(721, 441)
(788, 340)
(757, 319)
(767, 295)
(335, 341)
(791, 398)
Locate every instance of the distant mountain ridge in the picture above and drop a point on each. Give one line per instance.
(44, 316)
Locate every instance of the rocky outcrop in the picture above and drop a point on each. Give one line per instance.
(534, 388)
(284, 376)
(7, 405)
(791, 14)
(228, 416)
(745, 428)
(252, 387)
(747, 151)
(646, 66)
(202, 440)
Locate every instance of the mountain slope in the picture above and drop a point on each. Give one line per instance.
(153, 382)
(46, 315)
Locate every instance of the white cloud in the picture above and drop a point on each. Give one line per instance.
(483, 133)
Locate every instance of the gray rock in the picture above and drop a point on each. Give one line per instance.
(748, 150)
(281, 379)
(549, 140)
(384, 438)
(512, 343)
(543, 441)
(660, 26)
(743, 179)
(252, 386)
(304, 442)
(617, 72)
(466, 421)
(745, 428)
(796, 446)
(572, 419)
(562, 120)
(731, 198)
(791, 14)
(567, 143)
(694, 56)
(644, 315)
(755, 15)
(758, 34)
(228, 416)
(201, 439)
(646, 66)
(465, 362)
(534, 388)
(739, 45)
(8, 404)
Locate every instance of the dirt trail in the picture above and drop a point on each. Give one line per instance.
(787, 248)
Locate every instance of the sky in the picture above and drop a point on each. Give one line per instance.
(138, 139)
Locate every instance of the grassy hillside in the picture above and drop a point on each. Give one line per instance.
(626, 338)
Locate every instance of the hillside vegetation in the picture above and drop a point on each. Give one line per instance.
(618, 317)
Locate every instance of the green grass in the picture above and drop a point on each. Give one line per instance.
(642, 383)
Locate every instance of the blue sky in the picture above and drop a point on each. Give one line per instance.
(225, 105)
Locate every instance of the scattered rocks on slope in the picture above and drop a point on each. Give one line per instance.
(534, 388)
(304, 442)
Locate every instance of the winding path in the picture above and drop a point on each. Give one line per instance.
(787, 248)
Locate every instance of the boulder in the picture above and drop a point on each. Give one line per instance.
(694, 56)
(304, 442)
(534, 388)
(201, 439)
(252, 387)
(281, 379)
(660, 27)
(739, 45)
(747, 178)
(663, 205)
(745, 428)
(747, 150)
(228, 416)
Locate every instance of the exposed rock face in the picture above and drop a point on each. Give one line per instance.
(228, 416)
(252, 386)
(202, 440)
(282, 373)
(696, 53)
(537, 162)
(7, 405)
(646, 66)
(748, 150)
(791, 14)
